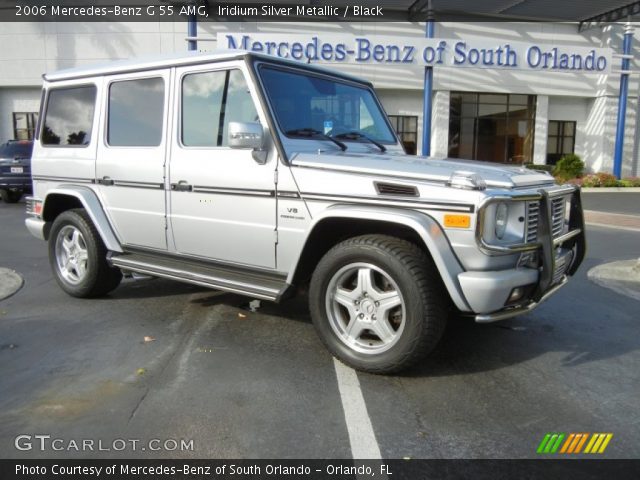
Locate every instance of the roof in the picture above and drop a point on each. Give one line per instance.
(178, 60)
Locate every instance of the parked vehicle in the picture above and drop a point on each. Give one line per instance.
(255, 175)
(15, 169)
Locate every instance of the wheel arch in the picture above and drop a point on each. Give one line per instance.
(340, 222)
(65, 198)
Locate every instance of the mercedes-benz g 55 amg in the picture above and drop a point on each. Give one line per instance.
(253, 174)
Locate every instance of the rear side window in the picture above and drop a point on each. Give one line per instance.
(210, 101)
(69, 116)
(136, 113)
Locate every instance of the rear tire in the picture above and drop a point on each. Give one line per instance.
(378, 303)
(10, 196)
(78, 256)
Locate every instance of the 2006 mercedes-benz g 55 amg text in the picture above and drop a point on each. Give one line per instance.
(253, 174)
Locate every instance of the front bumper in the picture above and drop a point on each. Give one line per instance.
(560, 256)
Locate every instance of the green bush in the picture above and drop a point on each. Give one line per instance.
(600, 180)
(544, 168)
(568, 167)
(630, 182)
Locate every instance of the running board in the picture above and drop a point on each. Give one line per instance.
(260, 285)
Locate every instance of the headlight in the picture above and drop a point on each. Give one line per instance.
(502, 217)
(504, 222)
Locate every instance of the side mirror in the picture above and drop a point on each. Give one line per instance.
(245, 135)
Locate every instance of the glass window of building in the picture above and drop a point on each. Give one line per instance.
(561, 140)
(24, 125)
(407, 129)
(494, 127)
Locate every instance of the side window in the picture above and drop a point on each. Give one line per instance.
(239, 106)
(210, 101)
(201, 107)
(136, 113)
(69, 116)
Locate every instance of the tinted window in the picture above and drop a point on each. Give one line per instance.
(305, 101)
(69, 116)
(136, 113)
(209, 102)
(21, 149)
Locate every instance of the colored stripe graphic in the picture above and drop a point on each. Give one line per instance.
(550, 443)
(573, 443)
(598, 442)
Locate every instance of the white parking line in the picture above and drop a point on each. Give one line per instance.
(361, 436)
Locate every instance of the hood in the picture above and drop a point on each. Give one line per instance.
(423, 168)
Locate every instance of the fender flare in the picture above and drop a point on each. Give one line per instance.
(92, 205)
(424, 225)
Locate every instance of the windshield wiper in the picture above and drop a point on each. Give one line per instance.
(357, 135)
(311, 133)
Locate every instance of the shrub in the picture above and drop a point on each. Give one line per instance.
(600, 180)
(544, 168)
(591, 181)
(630, 182)
(569, 166)
(607, 180)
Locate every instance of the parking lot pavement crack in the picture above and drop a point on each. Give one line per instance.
(185, 329)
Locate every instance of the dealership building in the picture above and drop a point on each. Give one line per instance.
(508, 92)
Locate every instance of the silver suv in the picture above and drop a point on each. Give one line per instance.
(256, 175)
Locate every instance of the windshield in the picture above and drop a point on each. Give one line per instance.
(303, 101)
(21, 149)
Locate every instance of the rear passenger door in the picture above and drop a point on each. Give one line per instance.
(222, 202)
(130, 170)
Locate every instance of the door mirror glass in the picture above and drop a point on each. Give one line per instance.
(245, 135)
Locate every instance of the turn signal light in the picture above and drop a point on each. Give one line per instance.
(457, 221)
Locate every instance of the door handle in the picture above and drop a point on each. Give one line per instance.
(106, 181)
(182, 186)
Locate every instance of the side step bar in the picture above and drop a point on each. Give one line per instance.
(250, 283)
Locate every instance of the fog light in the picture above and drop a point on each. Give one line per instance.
(516, 294)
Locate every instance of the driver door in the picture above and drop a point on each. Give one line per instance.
(222, 204)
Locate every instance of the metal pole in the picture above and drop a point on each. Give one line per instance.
(192, 32)
(622, 102)
(428, 93)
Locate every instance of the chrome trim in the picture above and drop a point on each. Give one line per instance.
(503, 249)
(566, 236)
(258, 291)
(392, 202)
(47, 178)
(513, 312)
(233, 191)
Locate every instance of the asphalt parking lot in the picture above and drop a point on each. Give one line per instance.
(244, 384)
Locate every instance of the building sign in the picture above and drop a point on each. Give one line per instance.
(506, 55)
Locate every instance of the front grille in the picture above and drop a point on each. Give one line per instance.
(533, 211)
(558, 213)
(557, 219)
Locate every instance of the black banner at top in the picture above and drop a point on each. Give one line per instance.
(271, 11)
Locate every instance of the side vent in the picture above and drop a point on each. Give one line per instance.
(396, 190)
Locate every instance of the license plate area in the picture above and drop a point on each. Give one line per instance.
(17, 170)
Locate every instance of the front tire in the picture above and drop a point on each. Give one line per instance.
(78, 256)
(378, 303)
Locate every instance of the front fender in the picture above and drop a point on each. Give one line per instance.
(425, 226)
(92, 205)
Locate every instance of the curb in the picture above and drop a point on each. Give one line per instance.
(611, 190)
(10, 282)
(623, 277)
